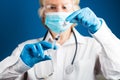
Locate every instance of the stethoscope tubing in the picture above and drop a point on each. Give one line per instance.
(76, 45)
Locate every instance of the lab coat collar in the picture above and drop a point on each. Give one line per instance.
(71, 40)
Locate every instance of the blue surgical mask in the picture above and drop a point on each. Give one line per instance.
(55, 21)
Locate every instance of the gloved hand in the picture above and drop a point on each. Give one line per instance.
(86, 17)
(34, 53)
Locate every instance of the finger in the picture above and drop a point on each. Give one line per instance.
(32, 49)
(40, 50)
(73, 16)
(47, 45)
(74, 21)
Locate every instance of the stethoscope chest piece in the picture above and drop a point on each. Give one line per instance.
(69, 69)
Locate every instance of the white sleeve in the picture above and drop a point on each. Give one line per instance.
(12, 66)
(110, 56)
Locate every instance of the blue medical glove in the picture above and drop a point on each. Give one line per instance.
(87, 18)
(34, 53)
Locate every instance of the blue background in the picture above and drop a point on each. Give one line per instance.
(19, 21)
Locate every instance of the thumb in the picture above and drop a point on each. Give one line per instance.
(47, 45)
(73, 17)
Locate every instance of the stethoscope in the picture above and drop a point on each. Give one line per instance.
(70, 68)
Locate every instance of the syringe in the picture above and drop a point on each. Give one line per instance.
(55, 40)
(58, 35)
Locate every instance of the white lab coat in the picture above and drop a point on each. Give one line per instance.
(104, 45)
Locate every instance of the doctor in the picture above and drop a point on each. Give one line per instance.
(64, 54)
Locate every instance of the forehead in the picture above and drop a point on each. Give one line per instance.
(58, 2)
